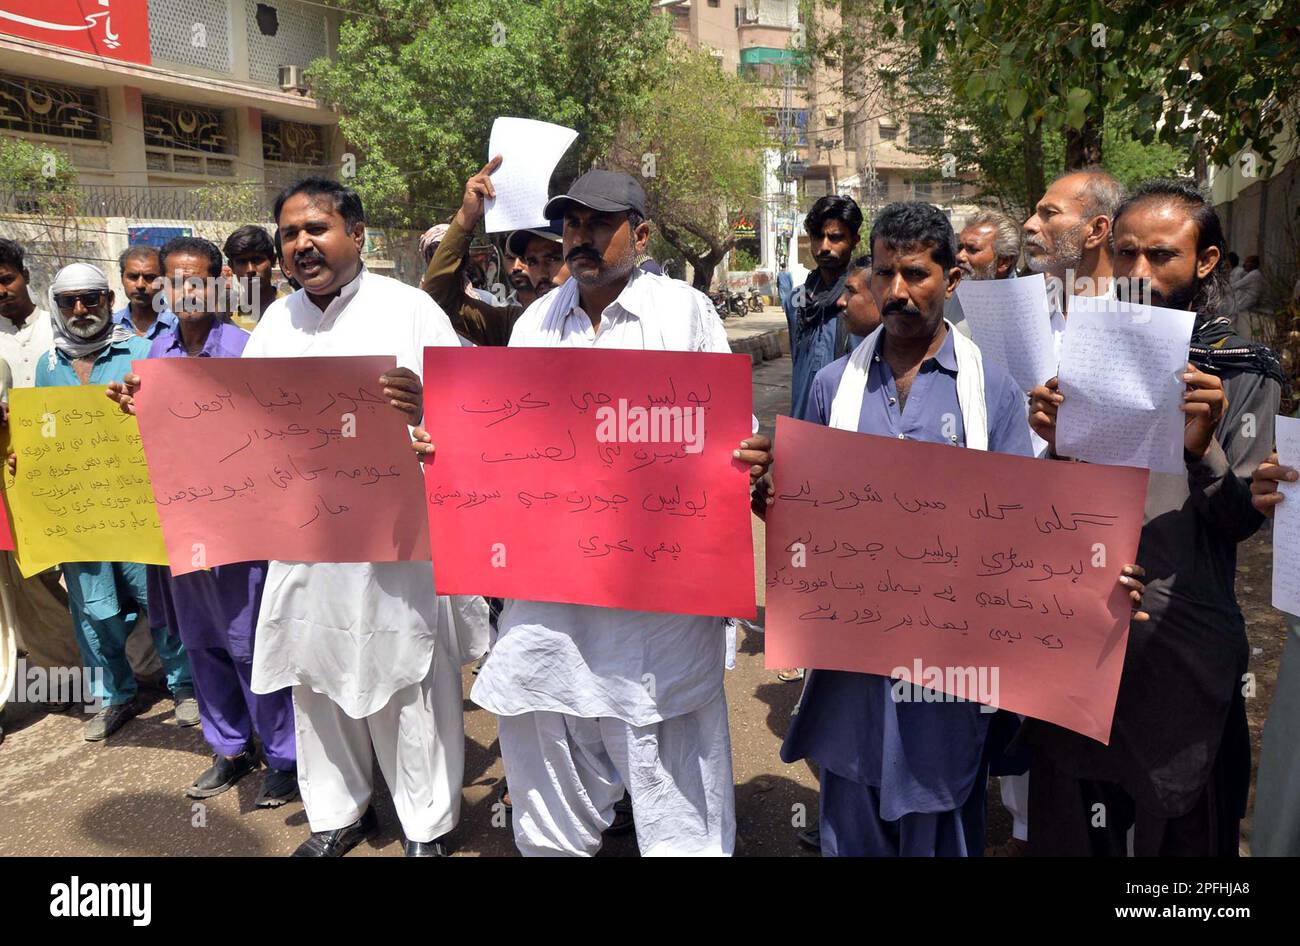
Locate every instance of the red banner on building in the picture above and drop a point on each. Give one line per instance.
(116, 29)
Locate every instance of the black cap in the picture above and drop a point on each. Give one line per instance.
(606, 191)
(517, 242)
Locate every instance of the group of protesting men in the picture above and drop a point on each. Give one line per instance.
(321, 668)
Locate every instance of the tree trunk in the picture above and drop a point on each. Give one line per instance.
(703, 264)
(704, 267)
(1083, 147)
(1035, 183)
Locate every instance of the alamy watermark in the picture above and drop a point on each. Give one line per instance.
(922, 684)
(628, 423)
(36, 684)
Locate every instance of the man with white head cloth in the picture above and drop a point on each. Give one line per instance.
(106, 598)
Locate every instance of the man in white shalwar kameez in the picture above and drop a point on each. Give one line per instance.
(592, 700)
(370, 664)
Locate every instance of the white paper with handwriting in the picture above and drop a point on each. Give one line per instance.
(1010, 322)
(1286, 522)
(529, 151)
(1121, 374)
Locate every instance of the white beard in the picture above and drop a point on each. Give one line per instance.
(89, 331)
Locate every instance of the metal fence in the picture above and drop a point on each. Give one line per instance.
(106, 201)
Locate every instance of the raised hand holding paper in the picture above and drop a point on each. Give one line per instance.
(1121, 375)
(530, 150)
(1286, 522)
(1010, 322)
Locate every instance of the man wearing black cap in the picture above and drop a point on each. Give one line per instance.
(539, 250)
(593, 700)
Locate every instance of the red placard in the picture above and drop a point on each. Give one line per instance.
(7, 543)
(600, 477)
(297, 459)
(116, 29)
(984, 576)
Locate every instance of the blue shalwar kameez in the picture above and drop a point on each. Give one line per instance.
(902, 778)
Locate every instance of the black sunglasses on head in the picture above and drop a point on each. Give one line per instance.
(88, 299)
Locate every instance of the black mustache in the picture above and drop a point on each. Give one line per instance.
(582, 251)
(898, 308)
(308, 258)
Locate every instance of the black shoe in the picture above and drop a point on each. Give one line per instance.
(223, 774)
(338, 842)
(811, 838)
(278, 788)
(432, 848)
(622, 822)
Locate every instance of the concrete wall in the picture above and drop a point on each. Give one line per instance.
(1263, 218)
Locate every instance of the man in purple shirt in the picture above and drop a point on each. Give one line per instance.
(215, 610)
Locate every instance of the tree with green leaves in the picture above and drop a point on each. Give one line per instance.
(1030, 88)
(696, 142)
(36, 179)
(1225, 71)
(417, 84)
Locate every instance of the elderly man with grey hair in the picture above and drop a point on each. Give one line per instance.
(1068, 237)
(988, 247)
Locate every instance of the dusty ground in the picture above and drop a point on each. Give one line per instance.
(62, 795)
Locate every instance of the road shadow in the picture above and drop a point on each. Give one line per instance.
(163, 824)
(770, 812)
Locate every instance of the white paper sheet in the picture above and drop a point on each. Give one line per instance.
(529, 151)
(1010, 322)
(1286, 522)
(1121, 374)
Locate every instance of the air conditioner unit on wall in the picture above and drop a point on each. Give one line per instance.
(292, 79)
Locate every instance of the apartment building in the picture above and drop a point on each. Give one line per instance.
(836, 128)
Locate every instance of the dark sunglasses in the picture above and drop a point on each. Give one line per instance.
(88, 299)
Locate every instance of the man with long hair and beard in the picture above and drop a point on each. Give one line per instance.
(1177, 768)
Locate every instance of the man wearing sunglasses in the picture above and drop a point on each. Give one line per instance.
(106, 598)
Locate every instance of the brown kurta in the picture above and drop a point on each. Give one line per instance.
(480, 322)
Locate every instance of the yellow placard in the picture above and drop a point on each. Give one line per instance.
(82, 491)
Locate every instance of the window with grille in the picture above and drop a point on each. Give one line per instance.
(292, 142)
(50, 108)
(923, 131)
(186, 127)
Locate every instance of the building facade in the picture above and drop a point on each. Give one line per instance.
(157, 103)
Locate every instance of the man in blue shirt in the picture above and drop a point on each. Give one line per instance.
(899, 777)
(106, 598)
(817, 334)
(146, 313)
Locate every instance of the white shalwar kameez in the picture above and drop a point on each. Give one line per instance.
(591, 700)
(370, 663)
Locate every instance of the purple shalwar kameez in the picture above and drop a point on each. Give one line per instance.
(215, 613)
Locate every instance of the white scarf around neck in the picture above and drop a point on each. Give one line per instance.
(846, 408)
